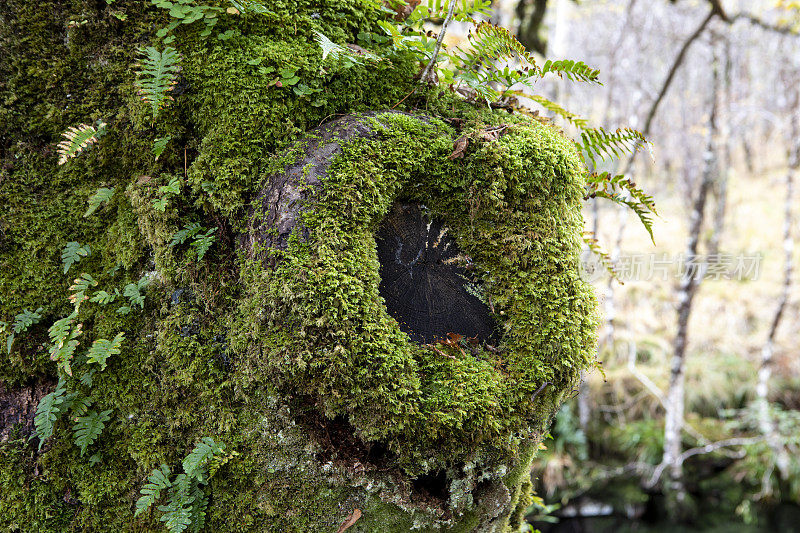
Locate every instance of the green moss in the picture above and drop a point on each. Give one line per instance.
(187, 369)
(514, 207)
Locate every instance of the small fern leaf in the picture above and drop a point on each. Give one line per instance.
(597, 142)
(77, 139)
(553, 107)
(194, 465)
(132, 291)
(151, 492)
(248, 6)
(337, 51)
(80, 286)
(47, 412)
(80, 405)
(197, 512)
(102, 349)
(329, 48)
(176, 517)
(22, 322)
(159, 145)
(202, 243)
(602, 256)
(102, 196)
(103, 297)
(88, 428)
(572, 70)
(189, 230)
(157, 77)
(63, 341)
(72, 254)
(26, 319)
(623, 191)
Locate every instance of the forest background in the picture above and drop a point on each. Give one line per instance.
(703, 320)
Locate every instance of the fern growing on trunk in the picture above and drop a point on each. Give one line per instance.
(77, 139)
(157, 77)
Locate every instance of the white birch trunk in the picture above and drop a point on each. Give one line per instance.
(765, 419)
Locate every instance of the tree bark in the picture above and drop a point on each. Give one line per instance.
(694, 271)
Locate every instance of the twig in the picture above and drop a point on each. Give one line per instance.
(755, 21)
(674, 69)
(430, 67)
(708, 448)
(540, 389)
(404, 98)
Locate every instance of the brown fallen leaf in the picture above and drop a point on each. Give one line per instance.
(143, 179)
(459, 147)
(493, 133)
(349, 521)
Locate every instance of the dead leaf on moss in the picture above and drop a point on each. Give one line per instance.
(459, 147)
(493, 133)
(349, 521)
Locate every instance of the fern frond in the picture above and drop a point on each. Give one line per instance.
(248, 6)
(159, 145)
(494, 58)
(602, 256)
(202, 243)
(176, 518)
(189, 230)
(77, 139)
(72, 254)
(572, 70)
(336, 51)
(26, 319)
(132, 291)
(195, 464)
(623, 191)
(492, 42)
(80, 286)
(102, 349)
(157, 77)
(151, 492)
(178, 510)
(78, 404)
(88, 428)
(597, 142)
(22, 322)
(47, 412)
(103, 297)
(167, 191)
(103, 195)
(63, 338)
(87, 377)
(197, 512)
(553, 107)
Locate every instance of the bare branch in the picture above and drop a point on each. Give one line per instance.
(674, 69)
(727, 443)
(430, 68)
(755, 21)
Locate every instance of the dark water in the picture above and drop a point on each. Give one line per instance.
(782, 519)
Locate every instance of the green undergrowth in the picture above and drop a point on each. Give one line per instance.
(219, 341)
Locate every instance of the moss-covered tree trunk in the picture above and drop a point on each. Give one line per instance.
(238, 273)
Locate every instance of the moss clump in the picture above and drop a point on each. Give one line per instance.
(451, 431)
(513, 205)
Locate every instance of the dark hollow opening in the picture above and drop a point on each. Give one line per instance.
(426, 280)
(433, 484)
